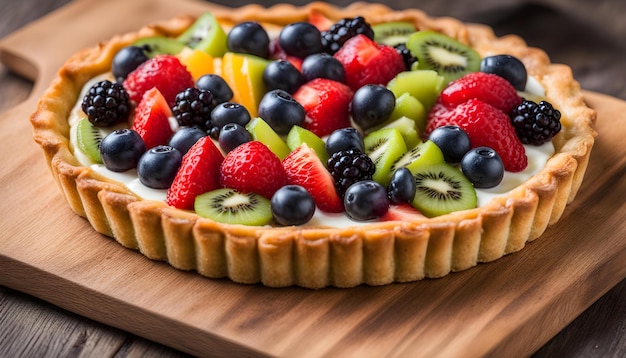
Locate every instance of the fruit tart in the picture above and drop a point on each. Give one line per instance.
(316, 146)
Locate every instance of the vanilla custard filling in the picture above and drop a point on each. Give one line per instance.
(537, 159)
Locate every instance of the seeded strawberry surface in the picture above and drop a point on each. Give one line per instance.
(327, 105)
(151, 119)
(489, 88)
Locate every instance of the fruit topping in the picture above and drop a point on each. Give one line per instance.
(233, 135)
(127, 60)
(298, 136)
(508, 67)
(88, 138)
(393, 33)
(344, 139)
(227, 113)
(327, 105)
(281, 111)
(410, 61)
(371, 105)
(322, 65)
(193, 107)
(217, 86)
(402, 212)
(158, 166)
(121, 149)
(185, 137)
(384, 147)
(536, 123)
(282, 74)
(424, 153)
(245, 73)
(159, 45)
(366, 200)
(343, 30)
(292, 205)
(423, 85)
(152, 119)
(249, 38)
(106, 104)
(483, 167)
(205, 34)
(262, 132)
(401, 188)
(489, 88)
(300, 39)
(348, 167)
(232, 207)
(453, 142)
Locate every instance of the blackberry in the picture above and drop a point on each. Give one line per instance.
(106, 103)
(348, 167)
(407, 56)
(193, 107)
(344, 29)
(536, 123)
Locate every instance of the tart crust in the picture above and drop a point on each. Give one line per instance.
(316, 257)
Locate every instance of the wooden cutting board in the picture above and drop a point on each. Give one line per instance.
(509, 307)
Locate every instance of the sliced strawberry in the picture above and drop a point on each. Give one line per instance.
(402, 212)
(327, 105)
(277, 53)
(164, 72)
(198, 173)
(438, 116)
(151, 119)
(487, 87)
(253, 167)
(367, 62)
(320, 20)
(304, 168)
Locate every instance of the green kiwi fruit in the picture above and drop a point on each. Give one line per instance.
(442, 189)
(408, 129)
(230, 206)
(263, 132)
(411, 107)
(159, 45)
(423, 154)
(393, 33)
(298, 135)
(206, 34)
(384, 147)
(449, 57)
(88, 138)
(423, 85)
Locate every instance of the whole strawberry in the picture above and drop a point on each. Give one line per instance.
(253, 167)
(198, 173)
(164, 72)
(487, 87)
(151, 119)
(326, 104)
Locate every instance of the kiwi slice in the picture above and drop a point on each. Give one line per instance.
(449, 57)
(442, 189)
(384, 147)
(298, 135)
(206, 34)
(393, 33)
(88, 138)
(230, 206)
(160, 45)
(423, 154)
(423, 85)
(261, 131)
(408, 129)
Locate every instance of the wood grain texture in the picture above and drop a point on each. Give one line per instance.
(511, 306)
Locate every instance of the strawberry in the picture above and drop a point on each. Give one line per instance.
(277, 53)
(326, 104)
(198, 173)
(320, 20)
(487, 87)
(438, 116)
(164, 72)
(367, 62)
(151, 119)
(253, 167)
(304, 168)
(402, 212)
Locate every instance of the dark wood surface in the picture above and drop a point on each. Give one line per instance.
(31, 327)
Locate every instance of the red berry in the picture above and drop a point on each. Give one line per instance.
(151, 119)
(198, 173)
(253, 167)
(164, 72)
(304, 168)
(367, 62)
(487, 87)
(327, 105)
(402, 212)
(438, 116)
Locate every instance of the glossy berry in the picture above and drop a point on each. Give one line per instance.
(185, 137)
(300, 39)
(229, 112)
(366, 200)
(193, 106)
(121, 149)
(323, 65)
(536, 123)
(282, 74)
(218, 87)
(233, 135)
(343, 30)
(281, 111)
(292, 205)
(487, 87)
(407, 55)
(249, 37)
(508, 67)
(158, 166)
(372, 105)
(348, 167)
(344, 139)
(106, 104)
(483, 167)
(453, 142)
(401, 188)
(127, 60)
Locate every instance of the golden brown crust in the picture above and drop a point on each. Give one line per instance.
(375, 254)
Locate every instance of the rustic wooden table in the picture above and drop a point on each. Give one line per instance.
(31, 327)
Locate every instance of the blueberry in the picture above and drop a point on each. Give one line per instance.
(229, 112)
(127, 60)
(292, 205)
(344, 139)
(372, 105)
(282, 74)
(300, 39)
(249, 37)
(483, 167)
(453, 142)
(232, 135)
(217, 86)
(158, 166)
(508, 67)
(366, 200)
(121, 149)
(281, 111)
(401, 188)
(323, 65)
(185, 137)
